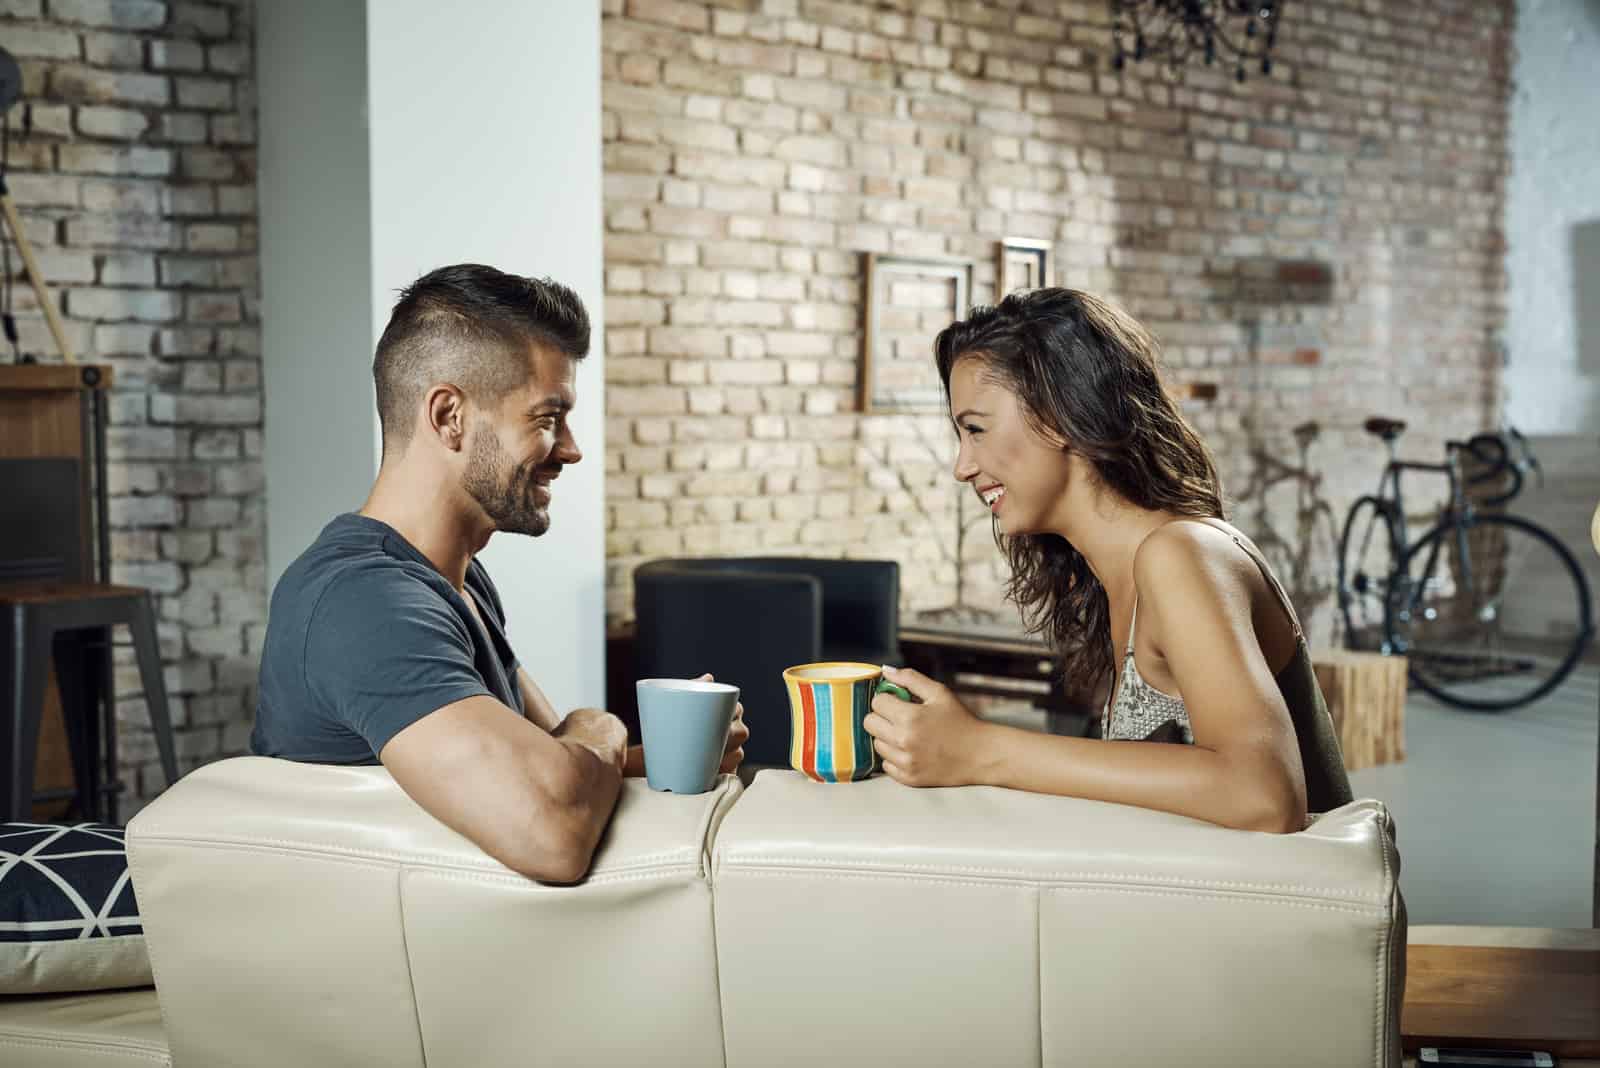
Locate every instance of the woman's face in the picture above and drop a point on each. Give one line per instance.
(1019, 475)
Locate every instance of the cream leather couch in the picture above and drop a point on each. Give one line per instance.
(314, 916)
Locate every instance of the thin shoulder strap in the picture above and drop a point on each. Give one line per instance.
(1133, 621)
(1272, 581)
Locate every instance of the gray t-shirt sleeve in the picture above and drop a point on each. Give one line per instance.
(383, 650)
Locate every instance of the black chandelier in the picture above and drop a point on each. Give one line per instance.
(1239, 32)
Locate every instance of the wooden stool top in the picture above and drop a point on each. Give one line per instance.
(56, 592)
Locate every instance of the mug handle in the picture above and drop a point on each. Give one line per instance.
(885, 686)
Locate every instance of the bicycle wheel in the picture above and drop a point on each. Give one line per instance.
(1493, 614)
(1367, 551)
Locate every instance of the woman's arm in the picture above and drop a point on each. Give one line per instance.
(1244, 768)
(940, 743)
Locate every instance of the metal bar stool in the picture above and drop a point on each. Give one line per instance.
(45, 619)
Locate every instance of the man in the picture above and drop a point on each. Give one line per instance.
(386, 639)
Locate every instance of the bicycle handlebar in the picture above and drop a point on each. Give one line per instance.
(1491, 450)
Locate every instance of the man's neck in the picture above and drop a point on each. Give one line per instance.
(429, 514)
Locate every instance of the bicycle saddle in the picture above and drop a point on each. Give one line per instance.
(1387, 429)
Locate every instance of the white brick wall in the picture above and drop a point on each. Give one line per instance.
(136, 186)
(754, 151)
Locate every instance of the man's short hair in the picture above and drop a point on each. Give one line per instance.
(471, 326)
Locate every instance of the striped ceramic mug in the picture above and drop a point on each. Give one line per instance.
(827, 703)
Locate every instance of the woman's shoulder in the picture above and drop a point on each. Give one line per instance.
(1188, 544)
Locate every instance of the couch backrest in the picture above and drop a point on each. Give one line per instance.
(300, 914)
(312, 915)
(988, 926)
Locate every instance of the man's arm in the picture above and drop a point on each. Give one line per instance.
(536, 706)
(542, 713)
(535, 802)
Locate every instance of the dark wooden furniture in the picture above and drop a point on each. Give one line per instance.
(974, 659)
(45, 621)
(53, 530)
(995, 660)
(1508, 987)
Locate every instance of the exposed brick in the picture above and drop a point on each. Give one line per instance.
(206, 94)
(114, 50)
(177, 56)
(112, 305)
(126, 231)
(108, 87)
(202, 20)
(184, 129)
(122, 197)
(44, 190)
(41, 42)
(119, 14)
(228, 58)
(203, 164)
(205, 411)
(106, 159)
(128, 269)
(116, 123)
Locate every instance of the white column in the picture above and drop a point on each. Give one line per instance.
(481, 144)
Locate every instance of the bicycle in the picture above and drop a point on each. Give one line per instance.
(1442, 600)
(1307, 561)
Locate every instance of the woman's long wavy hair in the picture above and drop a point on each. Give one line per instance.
(1087, 373)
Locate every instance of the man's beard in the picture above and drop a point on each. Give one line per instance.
(503, 491)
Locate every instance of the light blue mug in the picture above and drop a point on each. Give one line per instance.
(684, 724)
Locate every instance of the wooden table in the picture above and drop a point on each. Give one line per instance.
(1511, 987)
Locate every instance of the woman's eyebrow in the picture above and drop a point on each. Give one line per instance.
(963, 413)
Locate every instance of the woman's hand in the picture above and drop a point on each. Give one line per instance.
(934, 743)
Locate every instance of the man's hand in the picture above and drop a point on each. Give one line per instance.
(732, 749)
(935, 743)
(738, 734)
(598, 731)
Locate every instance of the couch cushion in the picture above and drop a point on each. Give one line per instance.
(374, 934)
(68, 919)
(980, 925)
(102, 1030)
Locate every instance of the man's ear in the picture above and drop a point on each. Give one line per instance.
(446, 413)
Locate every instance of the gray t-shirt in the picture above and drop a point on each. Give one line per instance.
(364, 638)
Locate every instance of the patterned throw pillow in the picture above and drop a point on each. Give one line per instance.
(68, 920)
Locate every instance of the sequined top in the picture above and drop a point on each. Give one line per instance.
(1139, 710)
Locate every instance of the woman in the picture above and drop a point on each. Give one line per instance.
(1109, 508)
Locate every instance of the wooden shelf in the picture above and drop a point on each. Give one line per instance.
(54, 377)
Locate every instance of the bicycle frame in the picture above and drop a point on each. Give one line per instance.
(1458, 512)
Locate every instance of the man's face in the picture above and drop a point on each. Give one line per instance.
(520, 447)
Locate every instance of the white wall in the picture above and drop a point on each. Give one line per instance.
(485, 147)
(1553, 219)
(316, 279)
(480, 139)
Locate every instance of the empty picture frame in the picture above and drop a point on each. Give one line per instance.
(1021, 263)
(908, 301)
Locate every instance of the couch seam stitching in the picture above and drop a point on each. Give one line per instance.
(427, 863)
(1220, 895)
(753, 863)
